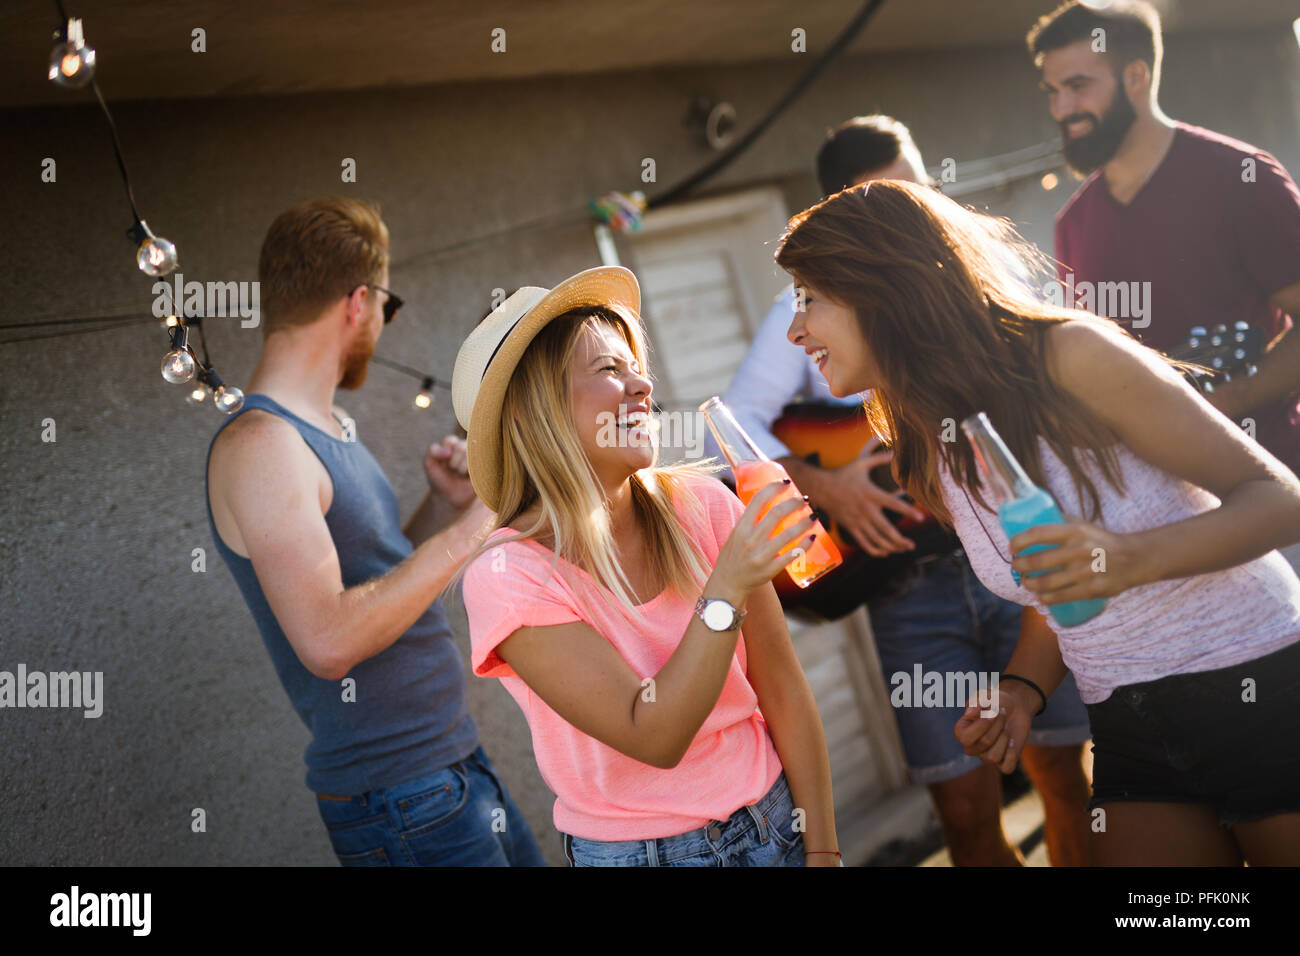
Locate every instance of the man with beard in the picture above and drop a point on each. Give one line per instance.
(345, 598)
(1211, 223)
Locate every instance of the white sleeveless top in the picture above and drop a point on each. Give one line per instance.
(1179, 626)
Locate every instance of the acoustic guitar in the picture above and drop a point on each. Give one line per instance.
(1224, 352)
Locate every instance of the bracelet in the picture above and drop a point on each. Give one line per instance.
(1037, 689)
(833, 852)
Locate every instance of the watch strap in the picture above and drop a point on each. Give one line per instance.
(737, 615)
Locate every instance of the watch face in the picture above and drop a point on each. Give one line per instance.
(717, 615)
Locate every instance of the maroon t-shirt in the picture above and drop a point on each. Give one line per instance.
(1216, 233)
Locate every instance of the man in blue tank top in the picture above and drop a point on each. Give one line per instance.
(345, 597)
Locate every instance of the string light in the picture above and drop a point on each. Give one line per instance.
(425, 398)
(200, 394)
(226, 398)
(72, 63)
(178, 365)
(155, 256)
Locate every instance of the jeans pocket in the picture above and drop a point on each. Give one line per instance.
(437, 805)
(375, 857)
(781, 818)
(783, 831)
(570, 855)
(359, 841)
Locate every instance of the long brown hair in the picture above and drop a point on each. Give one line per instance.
(952, 329)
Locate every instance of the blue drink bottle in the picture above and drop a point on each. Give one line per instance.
(1021, 505)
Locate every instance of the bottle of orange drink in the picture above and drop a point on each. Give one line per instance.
(753, 471)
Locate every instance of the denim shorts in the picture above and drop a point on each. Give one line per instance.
(758, 834)
(459, 816)
(1201, 738)
(944, 619)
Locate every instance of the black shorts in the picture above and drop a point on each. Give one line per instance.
(1200, 738)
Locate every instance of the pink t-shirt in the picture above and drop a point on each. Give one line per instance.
(602, 794)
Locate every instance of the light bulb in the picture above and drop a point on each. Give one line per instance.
(178, 366)
(200, 394)
(156, 257)
(425, 398)
(72, 63)
(229, 399)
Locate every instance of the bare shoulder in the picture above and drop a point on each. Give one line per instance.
(260, 471)
(254, 434)
(1097, 360)
(260, 451)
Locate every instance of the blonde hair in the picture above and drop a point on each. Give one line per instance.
(543, 460)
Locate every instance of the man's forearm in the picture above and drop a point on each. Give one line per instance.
(371, 617)
(425, 522)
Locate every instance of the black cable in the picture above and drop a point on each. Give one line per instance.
(551, 220)
(846, 35)
(117, 148)
(67, 333)
(43, 323)
(203, 342)
(112, 126)
(407, 370)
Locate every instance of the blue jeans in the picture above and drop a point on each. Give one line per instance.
(758, 834)
(943, 618)
(459, 816)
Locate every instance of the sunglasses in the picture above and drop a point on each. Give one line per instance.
(391, 304)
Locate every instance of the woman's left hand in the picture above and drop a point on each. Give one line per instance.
(1087, 562)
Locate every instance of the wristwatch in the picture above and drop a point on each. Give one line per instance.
(718, 615)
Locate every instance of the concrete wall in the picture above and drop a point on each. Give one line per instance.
(97, 528)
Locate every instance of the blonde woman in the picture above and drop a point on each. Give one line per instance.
(609, 599)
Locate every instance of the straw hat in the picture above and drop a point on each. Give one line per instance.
(488, 358)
